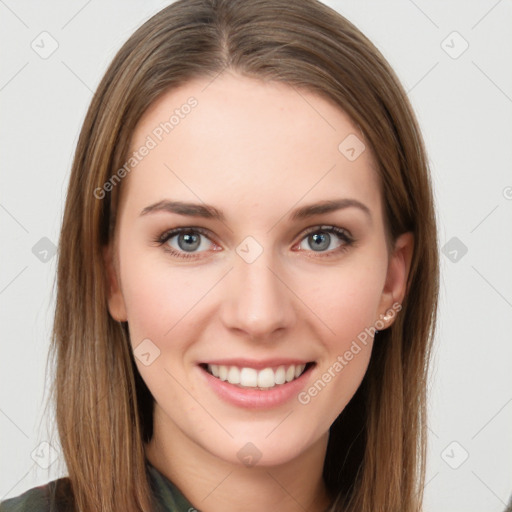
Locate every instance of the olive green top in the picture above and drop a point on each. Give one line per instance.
(55, 496)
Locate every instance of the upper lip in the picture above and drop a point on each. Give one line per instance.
(257, 364)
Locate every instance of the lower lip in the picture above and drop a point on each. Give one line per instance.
(255, 398)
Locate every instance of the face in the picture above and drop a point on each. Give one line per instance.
(251, 264)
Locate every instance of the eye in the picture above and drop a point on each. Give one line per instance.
(185, 242)
(326, 239)
(189, 242)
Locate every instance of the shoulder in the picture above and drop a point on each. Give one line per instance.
(55, 496)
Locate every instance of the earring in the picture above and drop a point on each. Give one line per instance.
(381, 324)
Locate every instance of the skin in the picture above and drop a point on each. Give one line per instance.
(256, 151)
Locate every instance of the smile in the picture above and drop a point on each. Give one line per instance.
(265, 378)
(256, 384)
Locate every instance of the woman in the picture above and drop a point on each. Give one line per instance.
(248, 274)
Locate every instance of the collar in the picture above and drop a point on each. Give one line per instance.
(167, 495)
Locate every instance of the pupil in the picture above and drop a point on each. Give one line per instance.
(320, 241)
(188, 242)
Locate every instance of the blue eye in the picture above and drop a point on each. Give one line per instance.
(189, 242)
(181, 241)
(326, 239)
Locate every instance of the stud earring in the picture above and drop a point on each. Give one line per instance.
(381, 323)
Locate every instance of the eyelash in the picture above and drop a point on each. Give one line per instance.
(342, 234)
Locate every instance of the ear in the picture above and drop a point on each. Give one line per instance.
(116, 305)
(395, 286)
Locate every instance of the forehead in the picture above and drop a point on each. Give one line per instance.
(240, 141)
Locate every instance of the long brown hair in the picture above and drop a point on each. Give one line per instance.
(377, 446)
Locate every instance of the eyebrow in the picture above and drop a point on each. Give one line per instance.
(181, 208)
(210, 212)
(327, 207)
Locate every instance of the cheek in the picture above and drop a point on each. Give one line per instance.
(346, 299)
(162, 306)
(340, 372)
(157, 297)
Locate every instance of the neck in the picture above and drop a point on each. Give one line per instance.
(216, 485)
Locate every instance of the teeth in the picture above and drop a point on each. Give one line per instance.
(280, 375)
(252, 378)
(223, 372)
(248, 377)
(234, 375)
(266, 378)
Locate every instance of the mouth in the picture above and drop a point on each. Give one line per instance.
(263, 379)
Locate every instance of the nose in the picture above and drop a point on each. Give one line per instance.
(258, 302)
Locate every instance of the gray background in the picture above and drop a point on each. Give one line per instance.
(464, 105)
